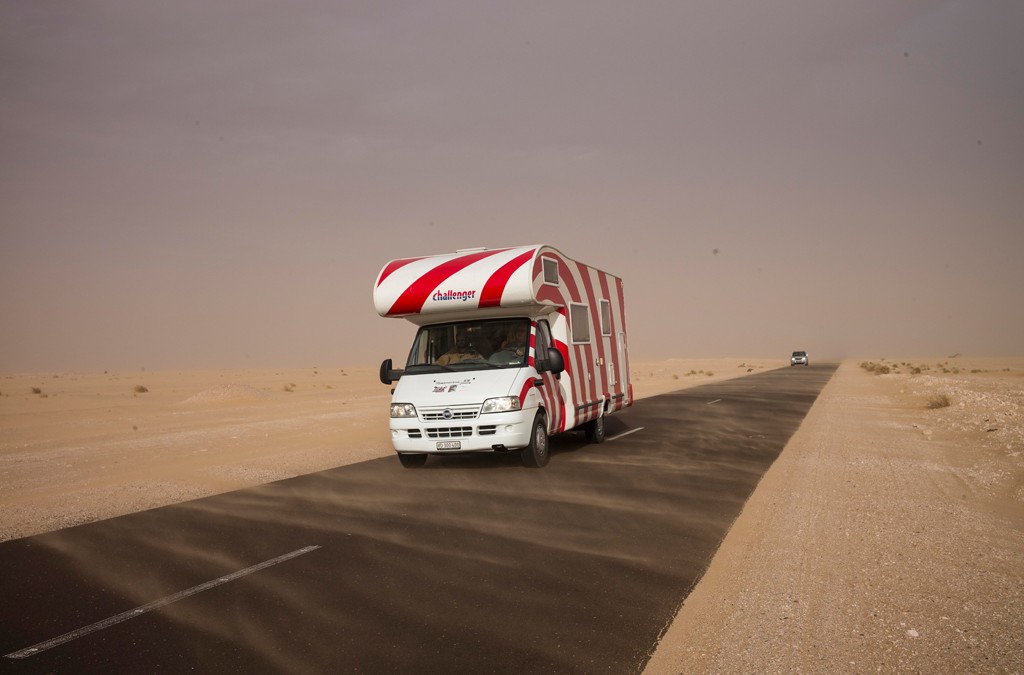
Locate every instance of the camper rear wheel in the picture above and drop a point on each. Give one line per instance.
(595, 430)
(412, 460)
(535, 455)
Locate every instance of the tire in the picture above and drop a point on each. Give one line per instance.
(412, 460)
(595, 430)
(536, 455)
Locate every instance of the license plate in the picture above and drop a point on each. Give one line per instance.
(449, 445)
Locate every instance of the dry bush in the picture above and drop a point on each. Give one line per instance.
(938, 401)
(139, 389)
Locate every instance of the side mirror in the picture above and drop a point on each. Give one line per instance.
(556, 364)
(388, 374)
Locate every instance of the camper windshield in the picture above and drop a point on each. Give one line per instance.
(470, 345)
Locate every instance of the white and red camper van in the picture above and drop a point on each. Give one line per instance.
(514, 344)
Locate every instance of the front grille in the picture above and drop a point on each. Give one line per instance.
(455, 413)
(487, 430)
(450, 432)
(433, 416)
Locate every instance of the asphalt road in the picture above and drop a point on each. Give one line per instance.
(467, 565)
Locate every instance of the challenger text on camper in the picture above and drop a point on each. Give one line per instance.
(440, 296)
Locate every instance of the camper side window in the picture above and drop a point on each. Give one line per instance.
(606, 317)
(579, 322)
(550, 270)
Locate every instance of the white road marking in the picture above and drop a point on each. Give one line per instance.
(156, 604)
(624, 433)
(715, 401)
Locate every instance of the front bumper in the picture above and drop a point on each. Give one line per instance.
(485, 433)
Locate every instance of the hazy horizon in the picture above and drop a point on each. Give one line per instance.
(187, 185)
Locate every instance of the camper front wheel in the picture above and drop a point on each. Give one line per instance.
(535, 455)
(412, 460)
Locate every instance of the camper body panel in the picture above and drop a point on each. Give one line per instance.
(570, 306)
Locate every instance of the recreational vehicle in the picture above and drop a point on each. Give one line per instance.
(513, 345)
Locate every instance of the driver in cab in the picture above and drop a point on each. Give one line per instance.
(463, 351)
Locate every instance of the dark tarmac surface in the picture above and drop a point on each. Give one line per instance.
(471, 564)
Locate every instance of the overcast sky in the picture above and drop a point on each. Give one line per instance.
(216, 184)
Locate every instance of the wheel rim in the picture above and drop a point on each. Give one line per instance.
(541, 441)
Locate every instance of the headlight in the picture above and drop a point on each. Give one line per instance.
(403, 410)
(503, 404)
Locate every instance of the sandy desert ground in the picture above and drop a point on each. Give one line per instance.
(887, 537)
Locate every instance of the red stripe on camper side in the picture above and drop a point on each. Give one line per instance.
(396, 265)
(490, 296)
(525, 391)
(411, 300)
(560, 403)
(613, 343)
(584, 390)
(599, 383)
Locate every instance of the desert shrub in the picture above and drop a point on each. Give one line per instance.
(938, 401)
(289, 387)
(709, 374)
(139, 389)
(675, 376)
(915, 371)
(37, 390)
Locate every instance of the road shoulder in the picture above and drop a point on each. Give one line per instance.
(873, 542)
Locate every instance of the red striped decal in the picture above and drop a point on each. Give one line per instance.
(490, 296)
(525, 391)
(596, 341)
(396, 265)
(554, 384)
(411, 300)
(612, 356)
